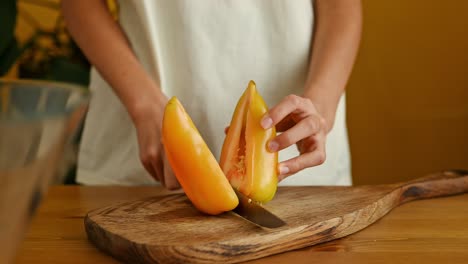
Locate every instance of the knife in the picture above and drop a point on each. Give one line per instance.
(255, 213)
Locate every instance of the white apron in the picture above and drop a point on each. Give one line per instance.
(205, 53)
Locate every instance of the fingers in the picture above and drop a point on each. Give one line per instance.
(294, 165)
(159, 168)
(308, 126)
(290, 104)
(149, 159)
(285, 124)
(170, 180)
(151, 171)
(313, 155)
(301, 124)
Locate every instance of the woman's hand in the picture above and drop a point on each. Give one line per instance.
(301, 124)
(148, 124)
(119, 66)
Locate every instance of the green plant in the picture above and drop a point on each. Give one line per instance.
(9, 49)
(49, 54)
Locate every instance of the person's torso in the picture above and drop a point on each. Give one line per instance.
(206, 52)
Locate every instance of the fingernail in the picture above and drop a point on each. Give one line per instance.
(273, 146)
(266, 122)
(283, 170)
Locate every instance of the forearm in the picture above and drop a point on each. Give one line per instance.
(105, 45)
(336, 40)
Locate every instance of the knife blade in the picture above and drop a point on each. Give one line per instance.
(255, 213)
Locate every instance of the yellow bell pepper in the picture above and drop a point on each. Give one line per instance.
(245, 160)
(193, 164)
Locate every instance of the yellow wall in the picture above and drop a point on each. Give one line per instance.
(408, 94)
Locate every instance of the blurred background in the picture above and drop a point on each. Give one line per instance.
(407, 96)
(38, 46)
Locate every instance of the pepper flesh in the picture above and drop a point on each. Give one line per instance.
(195, 167)
(245, 160)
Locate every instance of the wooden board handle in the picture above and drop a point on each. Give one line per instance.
(444, 183)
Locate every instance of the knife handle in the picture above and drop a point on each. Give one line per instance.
(444, 183)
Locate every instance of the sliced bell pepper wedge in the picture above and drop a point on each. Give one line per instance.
(195, 167)
(245, 159)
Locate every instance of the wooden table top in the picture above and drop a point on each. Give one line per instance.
(428, 231)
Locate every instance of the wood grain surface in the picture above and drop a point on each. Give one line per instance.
(167, 229)
(430, 231)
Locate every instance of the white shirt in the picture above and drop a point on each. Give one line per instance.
(205, 53)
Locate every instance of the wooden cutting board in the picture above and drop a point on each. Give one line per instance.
(167, 229)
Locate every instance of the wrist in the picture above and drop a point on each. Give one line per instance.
(148, 105)
(324, 103)
(146, 110)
